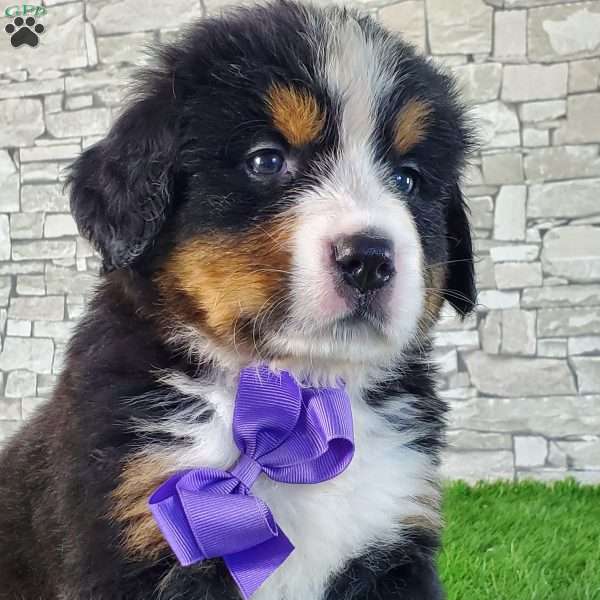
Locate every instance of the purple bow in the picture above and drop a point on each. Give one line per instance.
(291, 433)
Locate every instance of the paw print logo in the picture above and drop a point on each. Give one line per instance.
(24, 32)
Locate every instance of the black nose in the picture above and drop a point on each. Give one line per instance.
(365, 261)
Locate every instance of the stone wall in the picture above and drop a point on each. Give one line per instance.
(523, 375)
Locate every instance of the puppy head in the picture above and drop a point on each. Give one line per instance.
(288, 178)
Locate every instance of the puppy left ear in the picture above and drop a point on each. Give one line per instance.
(460, 287)
(121, 187)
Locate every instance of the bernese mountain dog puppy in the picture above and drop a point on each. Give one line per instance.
(283, 189)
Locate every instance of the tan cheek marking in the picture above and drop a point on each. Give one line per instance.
(411, 125)
(141, 536)
(435, 283)
(296, 114)
(228, 278)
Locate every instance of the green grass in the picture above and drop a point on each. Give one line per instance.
(526, 541)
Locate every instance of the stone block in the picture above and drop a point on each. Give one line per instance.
(48, 197)
(554, 322)
(60, 280)
(51, 308)
(583, 120)
(9, 184)
(5, 289)
(10, 410)
(515, 253)
(473, 466)
(27, 353)
(108, 17)
(562, 162)
(88, 121)
(551, 416)
(530, 450)
(510, 34)
(522, 83)
(584, 75)
(43, 250)
(5, 243)
(461, 339)
(505, 168)
(482, 212)
(90, 45)
(515, 377)
(573, 253)
(18, 328)
(32, 88)
(568, 199)
(535, 138)
(461, 28)
(31, 285)
(60, 331)
(518, 332)
(479, 83)
(497, 125)
(53, 103)
(15, 268)
(587, 344)
(491, 332)
(50, 153)
(125, 48)
(58, 225)
(552, 347)
(21, 120)
(463, 439)
(408, 19)
(509, 215)
(562, 295)
(41, 172)
(20, 383)
(498, 300)
(581, 454)
(484, 273)
(558, 33)
(26, 225)
(508, 4)
(587, 370)
(510, 276)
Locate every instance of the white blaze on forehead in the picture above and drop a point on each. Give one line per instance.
(357, 69)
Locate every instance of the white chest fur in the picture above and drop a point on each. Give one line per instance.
(331, 522)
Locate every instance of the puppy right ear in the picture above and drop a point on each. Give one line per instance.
(121, 187)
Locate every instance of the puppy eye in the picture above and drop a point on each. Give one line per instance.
(406, 180)
(266, 162)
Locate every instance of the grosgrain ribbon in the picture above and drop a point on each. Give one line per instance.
(293, 434)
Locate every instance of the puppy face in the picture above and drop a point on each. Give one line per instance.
(289, 182)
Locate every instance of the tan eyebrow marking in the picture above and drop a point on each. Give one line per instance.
(296, 113)
(411, 125)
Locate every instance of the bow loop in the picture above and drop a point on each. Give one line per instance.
(293, 434)
(267, 409)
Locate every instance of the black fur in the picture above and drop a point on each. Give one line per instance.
(168, 171)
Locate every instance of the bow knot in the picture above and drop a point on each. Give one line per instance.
(291, 433)
(246, 470)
